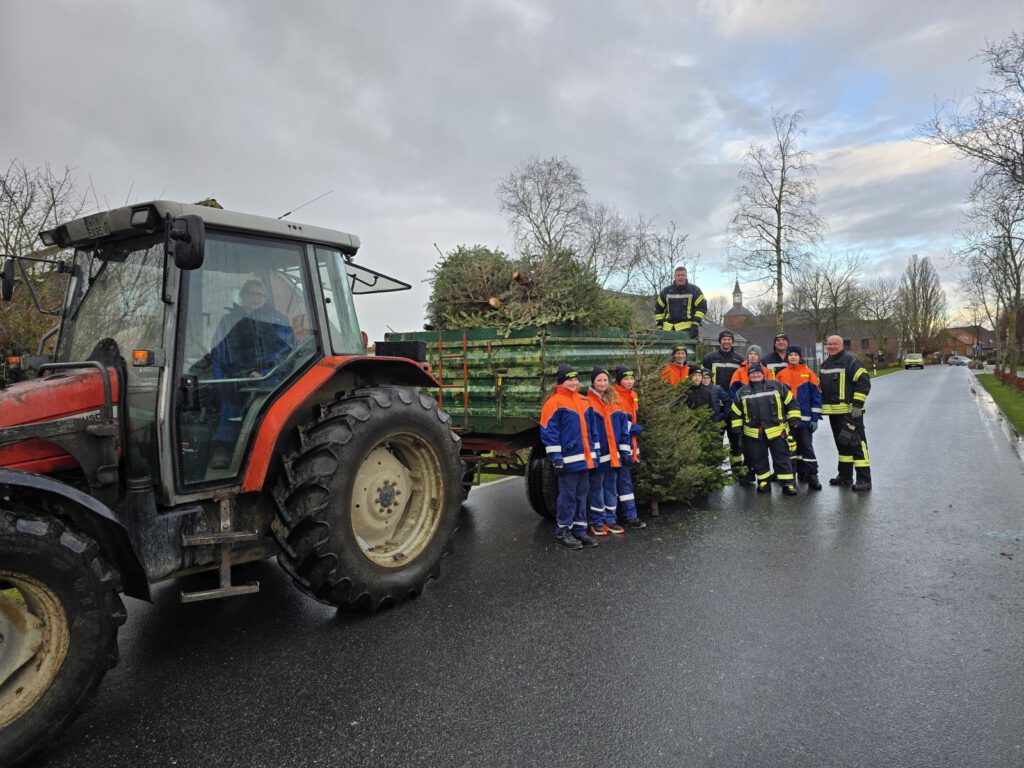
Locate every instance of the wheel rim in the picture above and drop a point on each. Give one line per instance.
(397, 498)
(36, 631)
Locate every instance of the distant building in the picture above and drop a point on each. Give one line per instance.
(969, 341)
(760, 330)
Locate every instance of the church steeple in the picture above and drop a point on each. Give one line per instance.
(737, 295)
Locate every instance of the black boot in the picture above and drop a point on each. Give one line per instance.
(789, 489)
(841, 480)
(813, 483)
(764, 486)
(863, 480)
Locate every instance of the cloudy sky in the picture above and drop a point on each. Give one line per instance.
(412, 111)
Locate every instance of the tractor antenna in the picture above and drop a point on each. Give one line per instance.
(293, 210)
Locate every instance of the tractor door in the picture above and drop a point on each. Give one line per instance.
(246, 331)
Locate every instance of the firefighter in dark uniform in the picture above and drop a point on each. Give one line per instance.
(775, 360)
(723, 363)
(845, 385)
(680, 306)
(761, 412)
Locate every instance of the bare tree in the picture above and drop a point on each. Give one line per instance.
(879, 301)
(843, 295)
(808, 298)
(717, 307)
(546, 205)
(606, 244)
(989, 127)
(32, 200)
(994, 250)
(764, 306)
(921, 311)
(775, 224)
(656, 255)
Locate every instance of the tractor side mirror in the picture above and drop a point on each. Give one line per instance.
(186, 241)
(7, 280)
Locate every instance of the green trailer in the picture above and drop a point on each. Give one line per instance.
(493, 387)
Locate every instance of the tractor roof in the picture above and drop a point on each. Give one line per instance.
(117, 223)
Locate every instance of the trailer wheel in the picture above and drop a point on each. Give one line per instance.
(367, 507)
(542, 483)
(60, 610)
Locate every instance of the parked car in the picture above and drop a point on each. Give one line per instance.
(913, 360)
(957, 360)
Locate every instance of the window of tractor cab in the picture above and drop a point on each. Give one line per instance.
(343, 326)
(248, 328)
(114, 306)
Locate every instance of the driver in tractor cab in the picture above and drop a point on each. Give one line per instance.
(249, 341)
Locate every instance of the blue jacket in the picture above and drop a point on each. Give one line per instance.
(566, 421)
(720, 403)
(803, 383)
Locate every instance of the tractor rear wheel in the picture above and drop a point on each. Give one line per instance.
(367, 506)
(60, 610)
(542, 483)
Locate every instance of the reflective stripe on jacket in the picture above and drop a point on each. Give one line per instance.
(740, 378)
(629, 402)
(723, 365)
(803, 382)
(764, 407)
(565, 429)
(677, 308)
(844, 383)
(610, 433)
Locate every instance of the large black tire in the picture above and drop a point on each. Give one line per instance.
(367, 506)
(542, 483)
(72, 596)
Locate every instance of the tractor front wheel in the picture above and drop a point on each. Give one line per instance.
(60, 610)
(367, 506)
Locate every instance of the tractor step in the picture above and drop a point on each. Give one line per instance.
(224, 539)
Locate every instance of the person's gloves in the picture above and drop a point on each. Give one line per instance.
(735, 431)
(635, 429)
(814, 427)
(558, 464)
(694, 331)
(794, 423)
(857, 412)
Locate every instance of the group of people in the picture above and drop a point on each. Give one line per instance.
(591, 441)
(770, 409)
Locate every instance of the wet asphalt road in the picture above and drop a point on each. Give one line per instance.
(827, 630)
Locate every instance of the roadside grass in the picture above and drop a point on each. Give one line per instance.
(1009, 400)
(886, 371)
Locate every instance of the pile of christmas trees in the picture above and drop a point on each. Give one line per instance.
(478, 287)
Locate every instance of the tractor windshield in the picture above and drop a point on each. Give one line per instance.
(113, 307)
(115, 296)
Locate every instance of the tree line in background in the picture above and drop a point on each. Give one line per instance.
(988, 128)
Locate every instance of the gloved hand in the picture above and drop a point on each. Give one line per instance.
(694, 331)
(794, 423)
(857, 412)
(635, 429)
(814, 427)
(735, 431)
(558, 464)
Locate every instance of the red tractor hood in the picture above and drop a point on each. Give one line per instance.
(57, 396)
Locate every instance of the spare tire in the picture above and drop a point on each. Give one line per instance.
(366, 508)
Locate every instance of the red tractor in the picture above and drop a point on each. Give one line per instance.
(210, 402)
